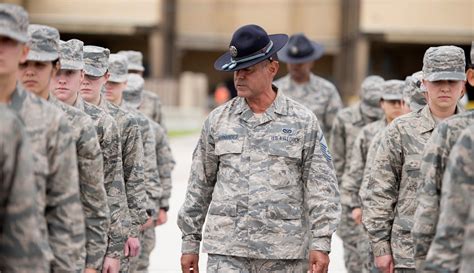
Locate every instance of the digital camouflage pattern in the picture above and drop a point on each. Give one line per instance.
(117, 68)
(56, 175)
(390, 207)
(352, 180)
(456, 199)
(43, 42)
(134, 58)
(151, 106)
(20, 245)
(109, 140)
(96, 60)
(319, 95)
(147, 245)
(467, 259)
(232, 264)
(444, 63)
(71, 54)
(14, 22)
(165, 164)
(434, 162)
(267, 184)
(133, 164)
(91, 184)
(413, 96)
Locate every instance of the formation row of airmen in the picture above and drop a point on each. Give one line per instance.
(86, 165)
(400, 164)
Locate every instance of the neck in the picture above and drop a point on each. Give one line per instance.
(95, 101)
(44, 94)
(72, 99)
(7, 87)
(443, 113)
(117, 101)
(261, 103)
(301, 80)
(389, 120)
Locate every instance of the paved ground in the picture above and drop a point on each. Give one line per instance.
(165, 257)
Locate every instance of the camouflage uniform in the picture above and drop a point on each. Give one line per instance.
(232, 264)
(345, 129)
(71, 56)
(20, 244)
(319, 95)
(91, 181)
(456, 200)
(56, 177)
(151, 103)
(467, 259)
(266, 183)
(434, 160)
(96, 64)
(44, 47)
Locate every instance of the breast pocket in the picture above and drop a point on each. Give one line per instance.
(284, 164)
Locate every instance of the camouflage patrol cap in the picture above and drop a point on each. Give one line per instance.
(14, 22)
(132, 94)
(444, 63)
(371, 90)
(118, 68)
(393, 90)
(135, 59)
(44, 43)
(412, 93)
(71, 54)
(96, 60)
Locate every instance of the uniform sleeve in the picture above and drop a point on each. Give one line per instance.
(134, 176)
(152, 179)
(352, 180)
(63, 212)
(199, 192)
(115, 188)
(333, 107)
(384, 183)
(337, 146)
(20, 243)
(364, 190)
(165, 164)
(321, 189)
(433, 162)
(444, 254)
(93, 196)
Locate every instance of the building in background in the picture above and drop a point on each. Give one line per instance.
(361, 37)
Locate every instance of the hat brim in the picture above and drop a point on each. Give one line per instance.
(447, 76)
(14, 35)
(71, 65)
(135, 67)
(93, 71)
(42, 56)
(117, 78)
(279, 41)
(392, 97)
(286, 58)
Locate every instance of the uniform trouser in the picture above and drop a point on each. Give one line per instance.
(350, 234)
(147, 242)
(230, 264)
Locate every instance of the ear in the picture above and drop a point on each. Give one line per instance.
(470, 76)
(107, 76)
(273, 68)
(24, 53)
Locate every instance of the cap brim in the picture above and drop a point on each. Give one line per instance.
(93, 71)
(117, 78)
(42, 56)
(447, 76)
(14, 35)
(135, 67)
(286, 58)
(71, 65)
(392, 97)
(279, 40)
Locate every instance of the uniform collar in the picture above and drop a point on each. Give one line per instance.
(428, 123)
(17, 98)
(79, 103)
(279, 106)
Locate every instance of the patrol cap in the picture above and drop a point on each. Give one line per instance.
(96, 60)
(135, 59)
(444, 63)
(132, 94)
(118, 68)
(371, 90)
(71, 54)
(393, 90)
(412, 93)
(14, 22)
(43, 42)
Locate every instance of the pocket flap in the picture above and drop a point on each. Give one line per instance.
(223, 209)
(229, 146)
(284, 212)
